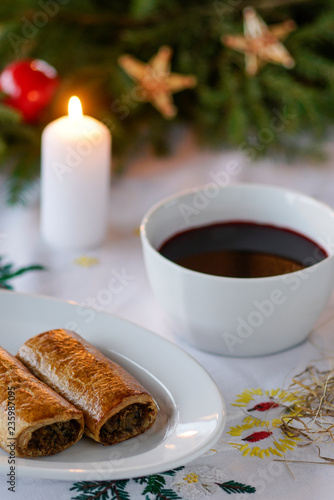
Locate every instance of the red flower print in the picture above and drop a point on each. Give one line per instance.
(257, 436)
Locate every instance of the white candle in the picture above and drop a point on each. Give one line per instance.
(75, 177)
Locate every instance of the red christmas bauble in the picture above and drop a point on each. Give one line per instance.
(29, 85)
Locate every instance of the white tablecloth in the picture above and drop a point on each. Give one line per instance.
(146, 181)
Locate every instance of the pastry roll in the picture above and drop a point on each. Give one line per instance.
(115, 405)
(34, 420)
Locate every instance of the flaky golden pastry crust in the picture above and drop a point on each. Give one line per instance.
(34, 420)
(115, 405)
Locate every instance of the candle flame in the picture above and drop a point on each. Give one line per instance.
(74, 108)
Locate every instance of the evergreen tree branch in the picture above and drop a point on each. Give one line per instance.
(7, 273)
(226, 108)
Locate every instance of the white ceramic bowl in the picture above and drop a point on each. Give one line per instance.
(240, 316)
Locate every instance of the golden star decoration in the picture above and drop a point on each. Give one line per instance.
(155, 80)
(261, 43)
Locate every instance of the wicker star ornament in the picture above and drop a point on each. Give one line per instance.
(261, 43)
(156, 83)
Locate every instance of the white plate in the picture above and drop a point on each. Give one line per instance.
(191, 415)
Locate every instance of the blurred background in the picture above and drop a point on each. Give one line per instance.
(255, 77)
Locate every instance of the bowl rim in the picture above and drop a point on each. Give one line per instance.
(244, 185)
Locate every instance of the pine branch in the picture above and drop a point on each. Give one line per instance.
(22, 177)
(234, 487)
(172, 472)
(7, 273)
(101, 490)
(167, 494)
(226, 108)
(274, 4)
(260, 113)
(155, 484)
(140, 9)
(236, 117)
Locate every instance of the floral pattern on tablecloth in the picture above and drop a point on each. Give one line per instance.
(259, 432)
(255, 432)
(184, 483)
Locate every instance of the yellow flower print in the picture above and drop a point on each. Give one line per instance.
(264, 407)
(255, 439)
